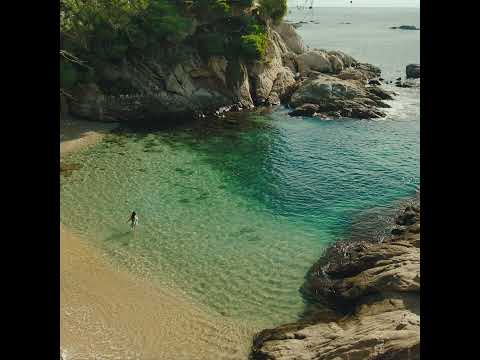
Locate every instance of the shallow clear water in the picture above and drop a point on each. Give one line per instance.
(234, 212)
(236, 216)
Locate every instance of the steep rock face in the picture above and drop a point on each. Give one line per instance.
(293, 41)
(92, 102)
(373, 290)
(155, 89)
(271, 72)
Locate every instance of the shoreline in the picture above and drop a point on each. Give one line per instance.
(77, 134)
(111, 313)
(364, 301)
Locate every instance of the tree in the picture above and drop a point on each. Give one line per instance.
(273, 9)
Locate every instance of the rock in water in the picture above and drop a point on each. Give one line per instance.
(305, 110)
(366, 303)
(336, 97)
(405, 27)
(413, 71)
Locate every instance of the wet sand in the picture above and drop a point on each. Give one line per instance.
(107, 313)
(76, 134)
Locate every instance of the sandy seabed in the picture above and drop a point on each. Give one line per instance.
(108, 313)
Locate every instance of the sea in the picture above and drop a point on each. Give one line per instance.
(233, 212)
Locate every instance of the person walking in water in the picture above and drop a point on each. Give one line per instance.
(133, 219)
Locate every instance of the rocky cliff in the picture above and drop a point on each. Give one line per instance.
(329, 83)
(365, 302)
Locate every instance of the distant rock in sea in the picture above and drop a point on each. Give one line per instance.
(405, 27)
(413, 71)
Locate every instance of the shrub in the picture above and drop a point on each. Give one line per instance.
(68, 74)
(245, 3)
(253, 46)
(209, 8)
(273, 9)
(212, 44)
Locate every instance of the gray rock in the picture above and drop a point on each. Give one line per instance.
(413, 71)
(292, 40)
(405, 27)
(88, 102)
(365, 304)
(337, 97)
(305, 110)
(381, 93)
(314, 60)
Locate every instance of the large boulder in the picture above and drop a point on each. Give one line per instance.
(316, 60)
(338, 98)
(323, 89)
(328, 62)
(413, 71)
(386, 335)
(365, 304)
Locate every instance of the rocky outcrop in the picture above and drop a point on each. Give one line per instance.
(151, 88)
(91, 102)
(337, 97)
(366, 298)
(413, 71)
(292, 40)
(271, 78)
(330, 62)
(154, 88)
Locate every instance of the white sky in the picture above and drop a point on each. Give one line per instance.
(372, 3)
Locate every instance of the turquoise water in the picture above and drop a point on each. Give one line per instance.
(234, 212)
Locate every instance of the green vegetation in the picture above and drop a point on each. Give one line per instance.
(95, 34)
(254, 44)
(211, 8)
(273, 9)
(68, 74)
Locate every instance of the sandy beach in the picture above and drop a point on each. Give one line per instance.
(106, 313)
(76, 134)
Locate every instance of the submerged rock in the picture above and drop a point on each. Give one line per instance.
(305, 110)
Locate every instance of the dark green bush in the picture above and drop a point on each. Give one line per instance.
(245, 3)
(273, 9)
(211, 8)
(211, 44)
(68, 74)
(253, 46)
